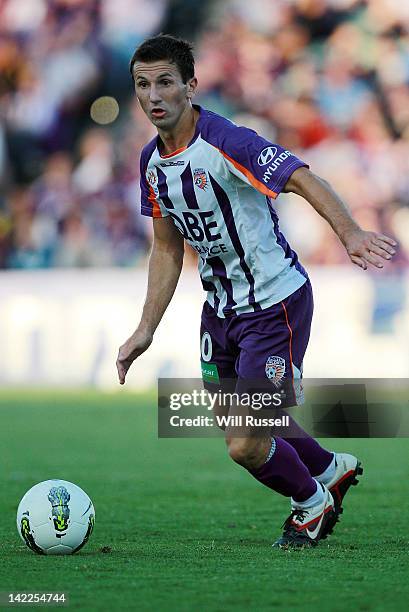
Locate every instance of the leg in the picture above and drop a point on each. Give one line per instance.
(272, 346)
(281, 469)
(274, 463)
(314, 456)
(271, 351)
(291, 335)
(251, 453)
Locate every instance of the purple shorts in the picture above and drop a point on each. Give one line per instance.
(266, 346)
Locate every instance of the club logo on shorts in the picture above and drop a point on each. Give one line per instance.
(266, 156)
(200, 178)
(275, 369)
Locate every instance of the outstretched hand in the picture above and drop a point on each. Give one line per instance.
(130, 350)
(369, 247)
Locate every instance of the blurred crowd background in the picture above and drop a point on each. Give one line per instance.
(328, 79)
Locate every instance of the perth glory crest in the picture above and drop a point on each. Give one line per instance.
(275, 369)
(200, 178)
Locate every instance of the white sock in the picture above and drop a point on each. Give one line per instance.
(327, 474)
(314, 500)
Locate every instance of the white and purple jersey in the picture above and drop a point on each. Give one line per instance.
(218, 191)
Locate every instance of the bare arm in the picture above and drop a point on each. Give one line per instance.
(165, 266)
(362, 247)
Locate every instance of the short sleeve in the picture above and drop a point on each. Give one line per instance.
(150, 203)
(258, 162)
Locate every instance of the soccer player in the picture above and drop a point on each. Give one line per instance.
(209, 182)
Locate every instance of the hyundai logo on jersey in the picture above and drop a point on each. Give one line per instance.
(266, 156)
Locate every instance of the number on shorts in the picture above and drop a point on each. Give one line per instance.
(206, 347)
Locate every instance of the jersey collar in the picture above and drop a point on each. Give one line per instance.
(195, 135)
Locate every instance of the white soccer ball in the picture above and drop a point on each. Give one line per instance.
(55, 517)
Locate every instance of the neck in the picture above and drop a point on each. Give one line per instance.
(181, 134)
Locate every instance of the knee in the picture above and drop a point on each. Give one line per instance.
(245, 451)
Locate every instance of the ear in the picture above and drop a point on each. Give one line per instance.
(191, 87)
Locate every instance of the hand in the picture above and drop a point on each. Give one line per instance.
(130, 350)
(368, 247)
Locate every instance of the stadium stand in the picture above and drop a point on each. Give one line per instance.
(327, 78)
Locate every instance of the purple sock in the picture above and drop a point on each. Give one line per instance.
(285, 473)
(316, 458)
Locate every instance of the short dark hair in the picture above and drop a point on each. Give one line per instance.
(166, 47)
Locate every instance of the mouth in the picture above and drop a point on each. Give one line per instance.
(158, 113)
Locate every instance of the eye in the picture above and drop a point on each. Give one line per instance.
(142, 84)
(166, 82)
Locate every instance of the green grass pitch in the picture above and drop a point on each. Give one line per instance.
(186, 528)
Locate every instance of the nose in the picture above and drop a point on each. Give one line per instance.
(154, 96)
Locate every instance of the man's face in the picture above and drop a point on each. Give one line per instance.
(162, 93)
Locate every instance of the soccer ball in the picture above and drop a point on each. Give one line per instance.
(55, 517)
